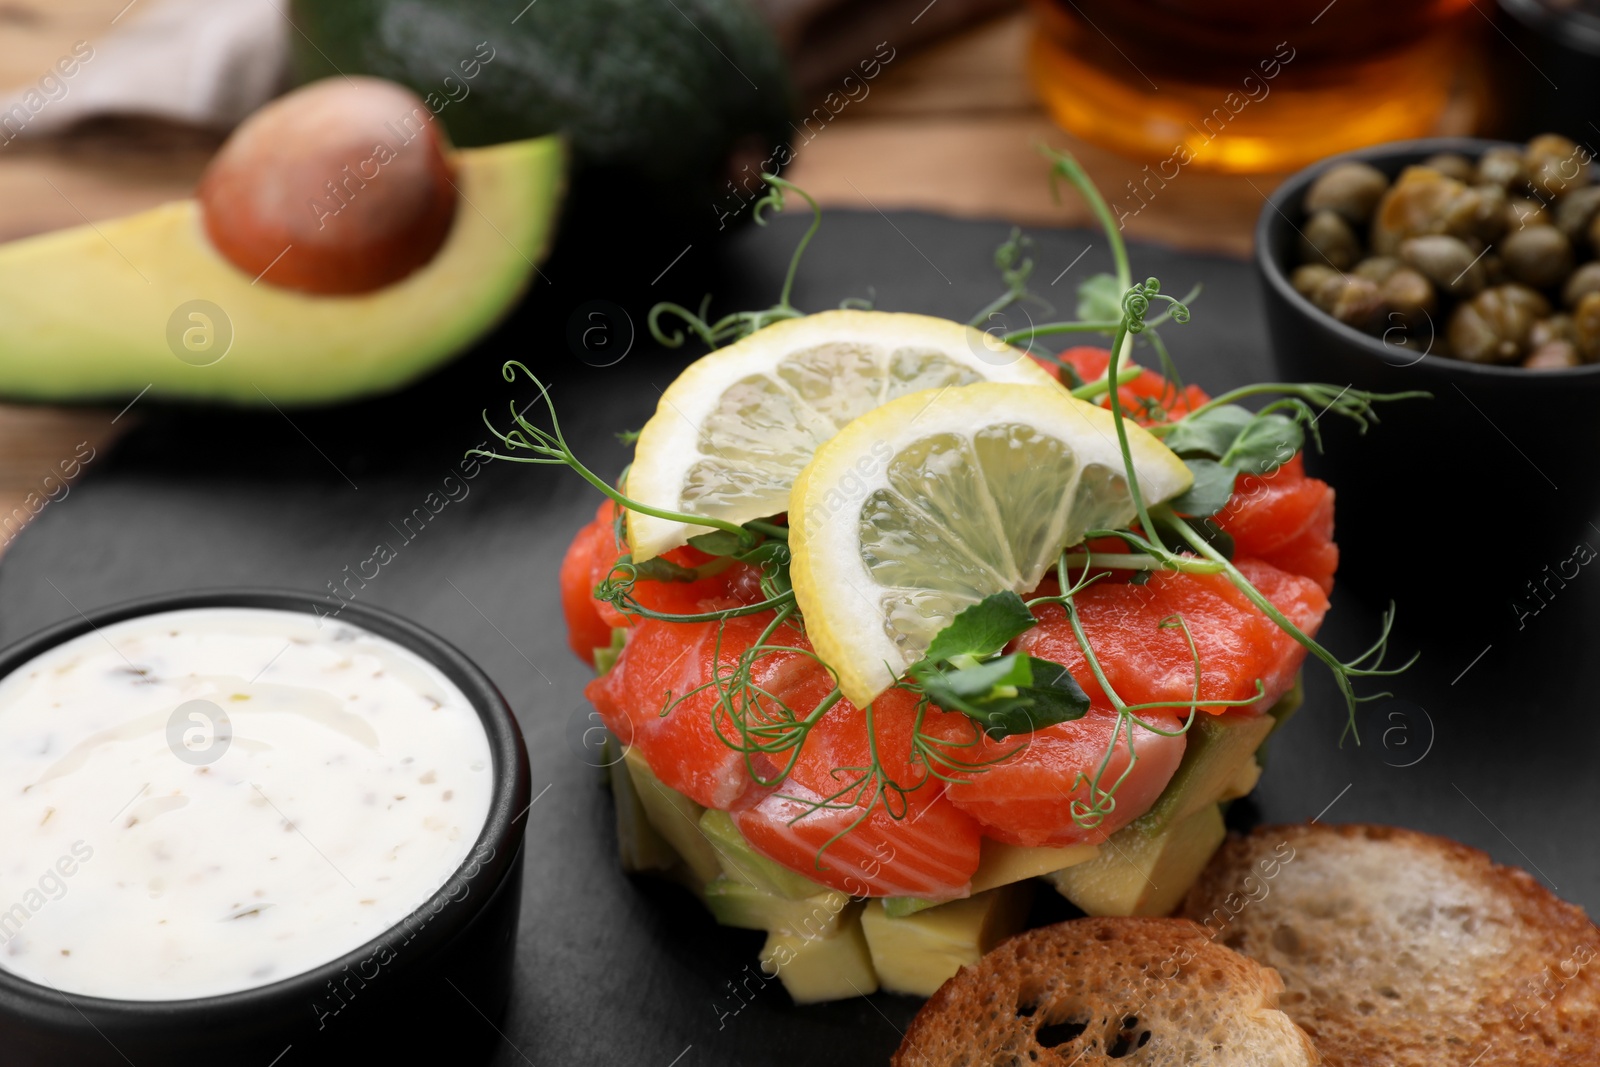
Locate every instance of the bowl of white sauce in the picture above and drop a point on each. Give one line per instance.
(233, 828)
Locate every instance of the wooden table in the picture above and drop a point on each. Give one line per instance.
(951, 129)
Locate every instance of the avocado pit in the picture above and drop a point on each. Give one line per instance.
(342, 186)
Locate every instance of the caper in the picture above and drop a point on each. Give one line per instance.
(1555, 165)
(1327, 238)
(1586, 327)
(1584, 280)
(1576, 210)
(1523, 211)
(1408, 295)
(1502, 166)
(1555, 328)
(1539, 256)
(1445, 261)
(1417, 203)
(1350, 189)
(1493, 327)
(1593, 232)
(1351, 300)
(1377, 268)
(1478, 213)
(1451, 165)
(1553, 355)
(1494, 269)
(1310, 277)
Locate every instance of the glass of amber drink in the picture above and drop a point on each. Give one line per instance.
(1248, 85)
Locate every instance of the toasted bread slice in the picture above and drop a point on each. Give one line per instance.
(1145, 992)
(1401, 949)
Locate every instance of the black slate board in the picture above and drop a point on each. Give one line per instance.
(1487, 740)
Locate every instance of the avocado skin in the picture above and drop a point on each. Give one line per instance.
(637, 86)
(101, 312)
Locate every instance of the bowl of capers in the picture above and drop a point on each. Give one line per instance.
(1465, 268)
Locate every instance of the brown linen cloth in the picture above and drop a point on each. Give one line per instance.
(826, 39)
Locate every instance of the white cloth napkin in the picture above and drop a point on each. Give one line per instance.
(200, 62)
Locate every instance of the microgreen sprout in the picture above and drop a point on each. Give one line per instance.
(1015, 267)
(740, 324)
(550, 447)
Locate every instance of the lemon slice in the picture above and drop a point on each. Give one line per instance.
(932, 502)
(732, 433)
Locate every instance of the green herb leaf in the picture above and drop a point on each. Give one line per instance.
(1210, 433)
(1238, 438)
(982, 629)
(979, 681)
(627, 437)
(1014, 694)
(774, 552)
(1056, 694)
(1207, 528)
(661, 569)
(720, 543)
(773, 558)
(1266, 444)
(772, 555)
(1211, 491)
(1100, 299)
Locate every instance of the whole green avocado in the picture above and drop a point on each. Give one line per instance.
(673, 97)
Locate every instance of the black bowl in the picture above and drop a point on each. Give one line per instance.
(419, 993)
(1499, 467)
(1546, 82)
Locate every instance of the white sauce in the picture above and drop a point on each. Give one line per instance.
(353, 780)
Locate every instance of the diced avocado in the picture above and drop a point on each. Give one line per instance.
(1282, 711)
(1001, 864)
(815, 969)
(639, 845)
(735, 903)
(744, 864)
(916, 954)
(900, 907)
(1290, 702)
(1219, 745)
(1243, 781)
(1144, 871)
(675, 817)
(606, 658)
(102, 311)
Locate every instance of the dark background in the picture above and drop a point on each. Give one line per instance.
(1488, 739)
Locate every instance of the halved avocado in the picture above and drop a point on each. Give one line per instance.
(100, 312)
